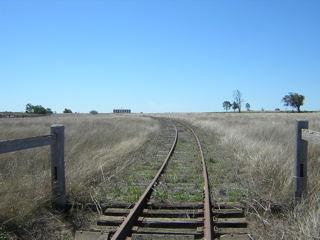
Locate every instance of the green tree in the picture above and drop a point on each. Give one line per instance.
(226, 105)
(293, 100)
(29, 108)
(248, 106)
(235, 106)
(66, 110)
(94, 112)
(38, 109)
(237, 96)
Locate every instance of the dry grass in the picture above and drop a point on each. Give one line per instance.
(96, 147)
(263, 148)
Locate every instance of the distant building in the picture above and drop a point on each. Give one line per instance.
(121, 110)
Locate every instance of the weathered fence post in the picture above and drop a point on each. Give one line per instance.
(57, 167)
(301, 162)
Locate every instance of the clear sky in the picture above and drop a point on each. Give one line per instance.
(158, 55)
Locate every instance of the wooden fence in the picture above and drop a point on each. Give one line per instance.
(303, 136)
(56, 142)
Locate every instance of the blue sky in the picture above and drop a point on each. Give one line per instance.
(158, 55)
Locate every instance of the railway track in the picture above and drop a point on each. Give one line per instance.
(176, 204)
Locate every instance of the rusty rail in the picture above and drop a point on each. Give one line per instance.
(176, 219)
(129, 221)
(208, 221)
(127, 224)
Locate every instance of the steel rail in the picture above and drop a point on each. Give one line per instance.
(208, 220)
(127, 224)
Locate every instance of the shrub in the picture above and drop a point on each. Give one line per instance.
(94, 112)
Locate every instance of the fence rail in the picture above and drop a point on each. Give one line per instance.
(25, 143)
(310, 136)
(56, 142)
(303, 136)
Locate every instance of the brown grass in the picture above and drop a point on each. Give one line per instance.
(263, 148)
(260, 149)
(95, 148)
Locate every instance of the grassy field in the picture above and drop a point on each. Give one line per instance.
(96, 147)
(263, 149)
(259, 148)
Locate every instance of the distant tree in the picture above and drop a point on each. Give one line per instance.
(293, 100)
(94, 112)
(226, 105)
(49, 110)
(235, 106)
(29, 108)
(248, 106)
(38, 109)
(66, 110)
(237, 96)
